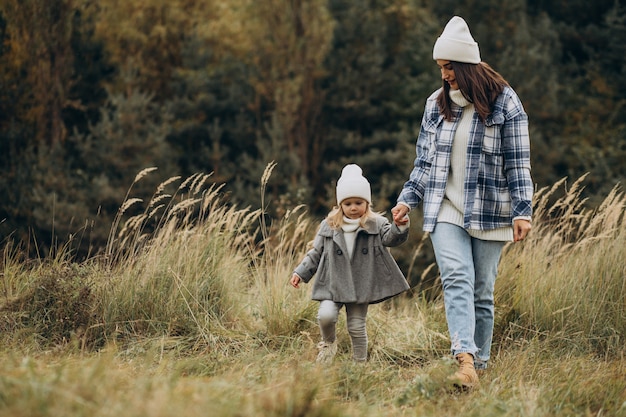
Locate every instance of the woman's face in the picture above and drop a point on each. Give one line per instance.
(447, 73)
(354, 207)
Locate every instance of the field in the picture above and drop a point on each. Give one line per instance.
(188, 313)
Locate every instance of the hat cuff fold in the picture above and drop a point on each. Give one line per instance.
(456, 50)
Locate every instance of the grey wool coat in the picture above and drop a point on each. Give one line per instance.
(372, 274)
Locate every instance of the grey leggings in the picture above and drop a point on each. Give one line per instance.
(355, 321)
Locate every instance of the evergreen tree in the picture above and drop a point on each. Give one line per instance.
(143, 40)
(214, 124)
(248, 94)
(595, 128)
(284, 46)
(39, 43)
(382, 72)
(130, 137)
(48, 87)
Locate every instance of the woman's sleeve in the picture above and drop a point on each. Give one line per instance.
(516, 151)
(413, 190)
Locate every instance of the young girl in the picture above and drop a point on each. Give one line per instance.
(354, 269)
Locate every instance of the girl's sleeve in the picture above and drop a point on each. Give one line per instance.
(310, 263)
(391, 235)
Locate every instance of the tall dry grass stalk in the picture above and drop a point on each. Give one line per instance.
(267, 173)
(128, 202)
(281, 309)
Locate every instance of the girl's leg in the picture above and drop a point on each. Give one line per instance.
(355, 321)
(327, 318)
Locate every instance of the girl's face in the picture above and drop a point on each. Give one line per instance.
(354, 207)
(447, 73)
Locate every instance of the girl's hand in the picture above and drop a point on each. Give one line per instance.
(295, 281)
(402, 222)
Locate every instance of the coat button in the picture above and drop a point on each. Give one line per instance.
(364, 251)
(339, 252)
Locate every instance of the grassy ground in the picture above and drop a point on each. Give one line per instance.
(189, 313)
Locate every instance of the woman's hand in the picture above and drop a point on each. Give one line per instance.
(399, 213)
(521, 228)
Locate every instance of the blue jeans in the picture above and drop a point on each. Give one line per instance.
(468, 268)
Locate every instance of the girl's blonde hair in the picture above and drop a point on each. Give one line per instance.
(335, 217)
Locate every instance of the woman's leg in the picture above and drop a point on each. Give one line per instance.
(356, 315)
(486, 259)
(453, 253)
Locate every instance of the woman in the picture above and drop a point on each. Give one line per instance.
(472, 173)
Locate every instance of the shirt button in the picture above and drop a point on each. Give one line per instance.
(339, 252)
(364, 251)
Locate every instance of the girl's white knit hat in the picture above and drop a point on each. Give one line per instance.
(456, 43)
(352, 183)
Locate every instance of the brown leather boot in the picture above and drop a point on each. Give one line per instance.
(466, 377)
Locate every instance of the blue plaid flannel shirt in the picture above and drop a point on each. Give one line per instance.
(498, 184)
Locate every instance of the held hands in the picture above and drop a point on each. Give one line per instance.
(295, 281)
(400, 214)
(521, 228)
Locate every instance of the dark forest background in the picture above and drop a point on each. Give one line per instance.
(93, 92)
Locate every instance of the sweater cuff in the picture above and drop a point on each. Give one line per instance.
(405, 204)
(403, 227)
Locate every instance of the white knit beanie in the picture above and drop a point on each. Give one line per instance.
(456, 43)
(352, 183)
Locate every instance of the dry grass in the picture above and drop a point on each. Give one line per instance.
(190, 314)
(566, 282)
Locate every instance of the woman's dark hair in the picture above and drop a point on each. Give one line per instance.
(479, 83)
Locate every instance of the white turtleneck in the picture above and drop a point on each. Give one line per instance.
(349, 228)
(454, 202)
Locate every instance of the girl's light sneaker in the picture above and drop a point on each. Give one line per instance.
(327, 351)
